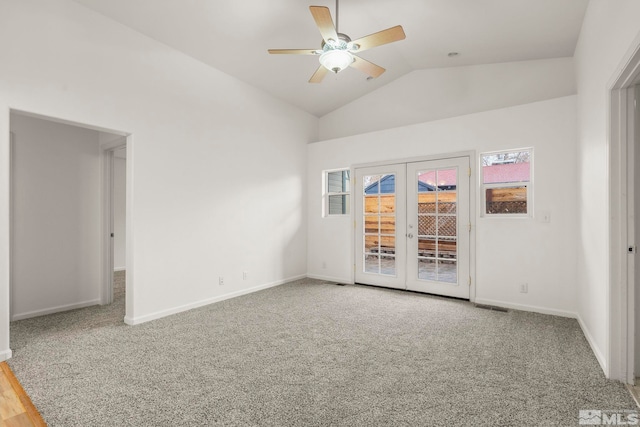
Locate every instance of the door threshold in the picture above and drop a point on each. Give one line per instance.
(413, 292)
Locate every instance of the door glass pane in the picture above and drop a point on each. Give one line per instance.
(447, 179)
(388, 203)
(427, 269)
(388, 224)
(447, 202)
(447, 248)
(379, 219)
(447, 271)
(388, 265)
(372, 224)
(371, 204)
(372, 264)
(388, 244)
(427, 247)
(437, 225)
(427, 225)
(447, 226)
(371, 244)
(427, 202)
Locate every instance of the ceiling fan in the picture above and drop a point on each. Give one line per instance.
(338, 51)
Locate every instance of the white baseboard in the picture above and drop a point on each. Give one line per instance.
(36, 313)
(329, 278)
(5, 355)
(592, 343)
(524, 307)
(164, 313)
(119, 268)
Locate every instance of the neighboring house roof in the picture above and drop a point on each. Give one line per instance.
(388, 184)
(446, 178)
(511, 172)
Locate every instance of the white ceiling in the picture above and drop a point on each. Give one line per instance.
(234, 35)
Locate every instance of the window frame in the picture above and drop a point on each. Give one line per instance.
(528, 184)
(326, 193)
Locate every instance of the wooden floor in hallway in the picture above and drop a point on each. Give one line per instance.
(16, 409)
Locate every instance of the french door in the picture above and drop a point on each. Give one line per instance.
(412, 226)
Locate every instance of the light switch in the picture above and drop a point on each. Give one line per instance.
(545, 216)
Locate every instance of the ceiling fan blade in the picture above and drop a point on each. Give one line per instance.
(322, 16)
(293, 51)
(367, 67)
(389, 35)
(319, 75)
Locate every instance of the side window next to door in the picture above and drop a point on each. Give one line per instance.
(506, 183)
(336, 192)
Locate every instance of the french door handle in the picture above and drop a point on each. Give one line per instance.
(410, 235)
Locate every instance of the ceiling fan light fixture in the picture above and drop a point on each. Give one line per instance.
(336, 60)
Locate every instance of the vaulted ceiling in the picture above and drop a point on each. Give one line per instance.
(234, 35)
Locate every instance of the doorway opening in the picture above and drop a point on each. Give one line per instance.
(62, 215)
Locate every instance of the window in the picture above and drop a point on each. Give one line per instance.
(336, 192)
(506, 182)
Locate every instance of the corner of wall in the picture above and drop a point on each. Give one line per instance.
(602, 361)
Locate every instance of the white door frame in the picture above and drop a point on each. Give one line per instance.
(621, 316)
(473, 206)
(12, 151)
(106, 164)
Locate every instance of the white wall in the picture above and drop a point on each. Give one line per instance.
(217, 167)
(56, 217)
(609, 28)
(119, 213)
(509, 251)
(433, 94)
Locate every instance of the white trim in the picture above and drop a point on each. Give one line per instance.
(129, 227)
(620, 307)
(5, 355)
(67, 122)
(119, 269)
(52, 310)
(330, 279)
(106, 208)
(12, 153)
(107, 211)
(524, 307)
(592, 343)
(631, 231)
(179, 309)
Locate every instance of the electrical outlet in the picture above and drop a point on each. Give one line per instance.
(245, 275)
(524, 288)
(221, 280)
(324, 264)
